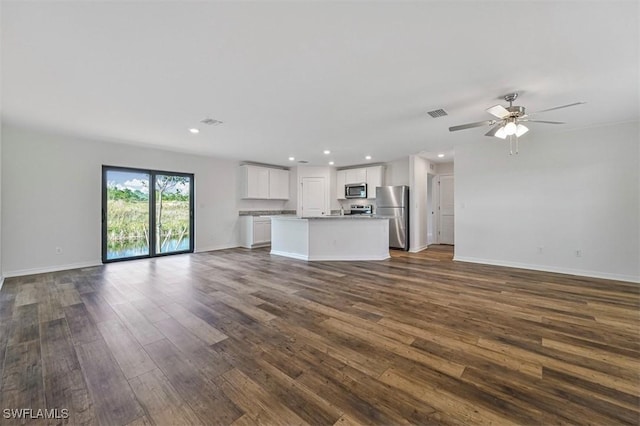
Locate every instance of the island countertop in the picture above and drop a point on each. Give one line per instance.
(346, 216)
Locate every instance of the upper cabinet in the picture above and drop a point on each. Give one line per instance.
(264, 183)
(374, 179)
(279, 184)
(341, 181)
(373, 176)
(355, 176)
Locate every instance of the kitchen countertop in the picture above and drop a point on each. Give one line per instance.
(345, 217)
(266, 212)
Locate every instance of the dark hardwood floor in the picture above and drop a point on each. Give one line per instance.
(241, 337)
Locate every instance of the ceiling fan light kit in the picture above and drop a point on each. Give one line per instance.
(510, 128)
(510, 121)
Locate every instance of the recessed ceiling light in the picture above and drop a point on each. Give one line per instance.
(331, 163)
(326, 152)
(368, 157)
(292, 158)
(440, 155)
(194, 130)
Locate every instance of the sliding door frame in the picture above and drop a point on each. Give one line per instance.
(152, 212)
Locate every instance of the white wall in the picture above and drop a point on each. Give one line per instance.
(444, 168)
(419, 169)
(1, 273)
(397, 172)
(51, 194)
(570, 191)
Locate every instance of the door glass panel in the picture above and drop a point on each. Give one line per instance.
(172, 213)
(127, 214)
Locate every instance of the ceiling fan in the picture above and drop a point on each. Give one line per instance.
(510, 121)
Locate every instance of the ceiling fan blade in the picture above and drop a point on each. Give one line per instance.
(493, 131)
(543, 121)
(559, 107)
(498, 111)
(472, 125)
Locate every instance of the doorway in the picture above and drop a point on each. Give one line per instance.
(146, 213)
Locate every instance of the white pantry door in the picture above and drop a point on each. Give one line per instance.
(313, 196)
(446, 234)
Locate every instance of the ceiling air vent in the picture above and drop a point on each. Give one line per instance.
(303, 162)
(211, 121)
(437, 113)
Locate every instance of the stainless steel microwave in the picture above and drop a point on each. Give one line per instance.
(355, 190)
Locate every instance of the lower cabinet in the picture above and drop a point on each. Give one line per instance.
(255, 231)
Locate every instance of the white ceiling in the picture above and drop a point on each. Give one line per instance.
(295, 78)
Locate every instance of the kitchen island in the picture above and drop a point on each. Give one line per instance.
(355, 237)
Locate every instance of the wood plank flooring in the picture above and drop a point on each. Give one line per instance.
(239, 337)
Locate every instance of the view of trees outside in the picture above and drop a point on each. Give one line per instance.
(128, 214)
(172, 213)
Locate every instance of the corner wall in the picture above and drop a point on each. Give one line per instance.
(418, 213)
(565, 192)
(1, 270)
(397, 172)
(1, 125)
(51, 193)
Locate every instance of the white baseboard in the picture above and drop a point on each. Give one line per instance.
(214, 248)
(328, 258)
(533, 267)
(418, 249)
(291, 255)
(348, 259)
(46, 269)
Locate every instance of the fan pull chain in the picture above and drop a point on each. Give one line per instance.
(511, 145)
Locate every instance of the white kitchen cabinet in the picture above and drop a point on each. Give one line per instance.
(279, 184)
(255, 231)
(356, 175)
(264, 183)
(341, 181)
(375, 178)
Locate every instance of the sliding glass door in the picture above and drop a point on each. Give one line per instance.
(172, 213)
(138, 222)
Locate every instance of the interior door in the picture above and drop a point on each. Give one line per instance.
(313, 196)
(446, 232)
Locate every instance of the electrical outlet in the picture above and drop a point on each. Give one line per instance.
(58, 250)
(578, 253)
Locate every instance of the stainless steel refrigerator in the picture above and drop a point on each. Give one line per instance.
(393, 202)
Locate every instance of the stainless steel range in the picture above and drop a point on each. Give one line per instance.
(361, 209)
